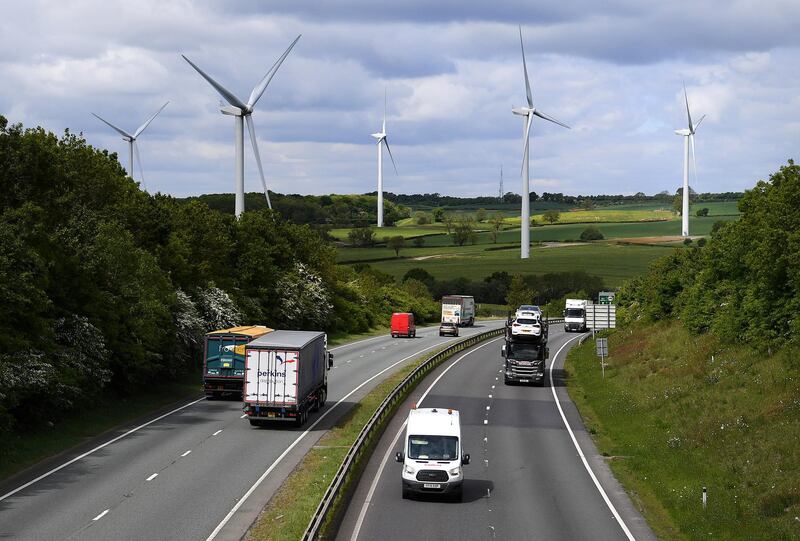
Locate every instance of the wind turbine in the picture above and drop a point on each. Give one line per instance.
(133, 148)
(382, 140)
(243, 112)
(528, 112)
(688, 134)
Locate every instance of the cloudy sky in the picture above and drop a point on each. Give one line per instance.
(452, 69)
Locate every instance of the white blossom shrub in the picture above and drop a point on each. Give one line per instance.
(303, 299)
(217, 309)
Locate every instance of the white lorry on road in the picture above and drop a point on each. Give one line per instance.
(432, 453)
(575, 315)
(458, 309)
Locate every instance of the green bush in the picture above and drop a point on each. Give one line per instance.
(591, 233)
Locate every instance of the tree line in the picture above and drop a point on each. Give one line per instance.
(108, 289)
(744, 283)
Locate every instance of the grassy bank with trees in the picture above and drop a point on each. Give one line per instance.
(702, 384)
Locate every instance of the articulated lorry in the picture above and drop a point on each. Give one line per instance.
(458, 309)
(223, 366)
(525, 354)
(286, 376)
(575, 315)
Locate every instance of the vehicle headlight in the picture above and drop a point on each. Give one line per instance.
(456, 471)
(409, 470)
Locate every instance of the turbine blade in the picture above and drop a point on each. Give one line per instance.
(252, 129)
(694, 158)
(139, 164)
(551, 119)
(698, 122)
(224, 92)
(386, 142)
(688, 114)
(122, 132)
(147, 123)
(383, 130)
(259, 89)
(526, 145)
(525, 67)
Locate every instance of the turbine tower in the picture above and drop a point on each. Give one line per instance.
(688, 135)
(528, 112)
(243, 112)
(133, 148)
(382, 140)
(501, 184)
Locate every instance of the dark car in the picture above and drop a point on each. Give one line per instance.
(448, 328)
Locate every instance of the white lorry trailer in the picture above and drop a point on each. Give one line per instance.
(432, 453)
(458, 309)
(286, 376)
(575, 315)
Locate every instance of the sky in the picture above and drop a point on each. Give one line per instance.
(451, 69)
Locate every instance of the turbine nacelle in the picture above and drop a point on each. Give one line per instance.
(522, 111)
(685, 132)
(379, 136)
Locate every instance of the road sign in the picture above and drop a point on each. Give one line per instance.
(601, 316)
(606, 297)
(602, 347)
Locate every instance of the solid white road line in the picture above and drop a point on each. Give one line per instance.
(87, 453)
(580, 451)
(101, 515)
(297, 440)
(364, 508)
(152, 477)
(186, 453)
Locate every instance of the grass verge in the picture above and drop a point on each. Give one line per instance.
(287, 514)
(22, 450)
(677, 412)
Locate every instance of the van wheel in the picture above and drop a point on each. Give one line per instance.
(458, 495)
(406, 493)
(414, 334)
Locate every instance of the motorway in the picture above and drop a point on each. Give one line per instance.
(197, 472)
(530, 476)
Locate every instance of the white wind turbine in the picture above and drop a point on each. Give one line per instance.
(688, 134)
(243, 112)
(133, 148)
(382, 140)
(528, 112)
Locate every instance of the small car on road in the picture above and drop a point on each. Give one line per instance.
(446, 328)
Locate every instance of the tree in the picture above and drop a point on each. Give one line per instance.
(496, 222)
(449, 220)
(687, 241)
(701, 213)
(464, 230)
(551, 216)
(701, 242)
(396, 243)
(587, 204)
(591, 233)
(480, 215)
(438, 214)
(422, 218)
(519, 293)
(361, 236)
(419, 241)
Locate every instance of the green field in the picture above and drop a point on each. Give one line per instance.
(614, 263)
(606, 215)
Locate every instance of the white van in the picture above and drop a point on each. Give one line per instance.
(432, 456)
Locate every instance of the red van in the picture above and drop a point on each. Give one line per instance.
(403, 325)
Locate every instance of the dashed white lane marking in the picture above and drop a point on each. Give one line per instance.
(101, 515)
(217, 432)
(152, 477)
(492, 386)
(490, 396)
(486, 421)
(186, 453)
(87, 453)
(363, 513)
(243, 416)
(488, 408)
(580, 451)
(350, 361)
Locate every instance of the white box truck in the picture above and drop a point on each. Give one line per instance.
(286, 376)
(575, 315)
(458, 309)
(432, 453)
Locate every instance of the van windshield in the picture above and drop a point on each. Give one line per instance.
(433, 447)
